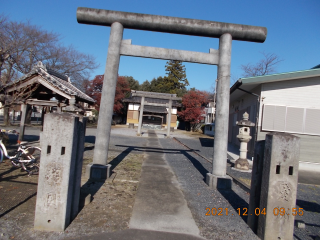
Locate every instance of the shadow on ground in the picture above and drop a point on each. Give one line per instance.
(308, 206)
(236, 202)
(90, 188)
(16, 188)
(206, 142)
(90, 139)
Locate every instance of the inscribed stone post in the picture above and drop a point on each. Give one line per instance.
(78, 166)
(279, 186)
(255, 189)
(60, 171)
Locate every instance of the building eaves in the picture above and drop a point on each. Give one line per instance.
(56, 82)
(252, 82)
(318, 66)
(282, 77)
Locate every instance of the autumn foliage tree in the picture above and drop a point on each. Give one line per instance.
(94, 89)
(121, 90)
(193, 107)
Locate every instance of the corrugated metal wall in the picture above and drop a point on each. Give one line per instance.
(300, 101)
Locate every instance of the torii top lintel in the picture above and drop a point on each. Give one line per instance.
(167, 24)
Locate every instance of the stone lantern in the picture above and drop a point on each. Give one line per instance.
(244, 137)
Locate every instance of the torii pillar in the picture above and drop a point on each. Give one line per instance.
(226, 32)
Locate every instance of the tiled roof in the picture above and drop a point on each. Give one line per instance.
(56, 80)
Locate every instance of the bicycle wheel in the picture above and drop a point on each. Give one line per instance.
(35, 154)
(34, 169)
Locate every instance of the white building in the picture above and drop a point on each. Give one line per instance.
(286, 102)
(209, 119)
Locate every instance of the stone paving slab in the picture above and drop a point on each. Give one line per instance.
(159, 203)
(138, 234)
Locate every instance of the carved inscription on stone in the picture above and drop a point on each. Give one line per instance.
(52, 200)
(53, 174)
(284, 191)
(284, 154)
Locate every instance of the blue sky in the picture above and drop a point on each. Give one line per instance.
(293, 32)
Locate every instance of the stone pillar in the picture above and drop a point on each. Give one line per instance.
(99, 170)
(169, 117)
(140, 116)
(255, 189)
(279, 186)
(62, 143)
(81, 129)
(218, 178)
(22, 121)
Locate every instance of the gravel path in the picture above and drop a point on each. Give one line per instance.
(308, 196)
(190, 170)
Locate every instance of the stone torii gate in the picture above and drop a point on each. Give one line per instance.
(226, 32)
(144, 95)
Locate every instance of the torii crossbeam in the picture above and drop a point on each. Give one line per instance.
(226, 32)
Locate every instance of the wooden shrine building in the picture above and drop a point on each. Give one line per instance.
(47, 88)
(155, 110)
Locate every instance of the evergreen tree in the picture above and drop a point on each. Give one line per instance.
(176, 79)
(145, 86)
(133, 84)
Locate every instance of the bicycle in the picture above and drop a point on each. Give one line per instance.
(28, 158)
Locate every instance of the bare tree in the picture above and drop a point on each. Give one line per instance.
(265, 66)
(69, 61)
(23, 44)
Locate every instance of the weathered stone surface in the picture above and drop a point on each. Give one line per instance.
(255, 189)
(60, 172)
(279, 186)
(244, 137)
(219, 182)
(81, 129)
(241, 164)
(96, 172)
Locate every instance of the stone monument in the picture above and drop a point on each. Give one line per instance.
(277, 208)
(244, 137)
(62, 144)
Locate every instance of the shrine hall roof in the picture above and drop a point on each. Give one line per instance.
(55, 79)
